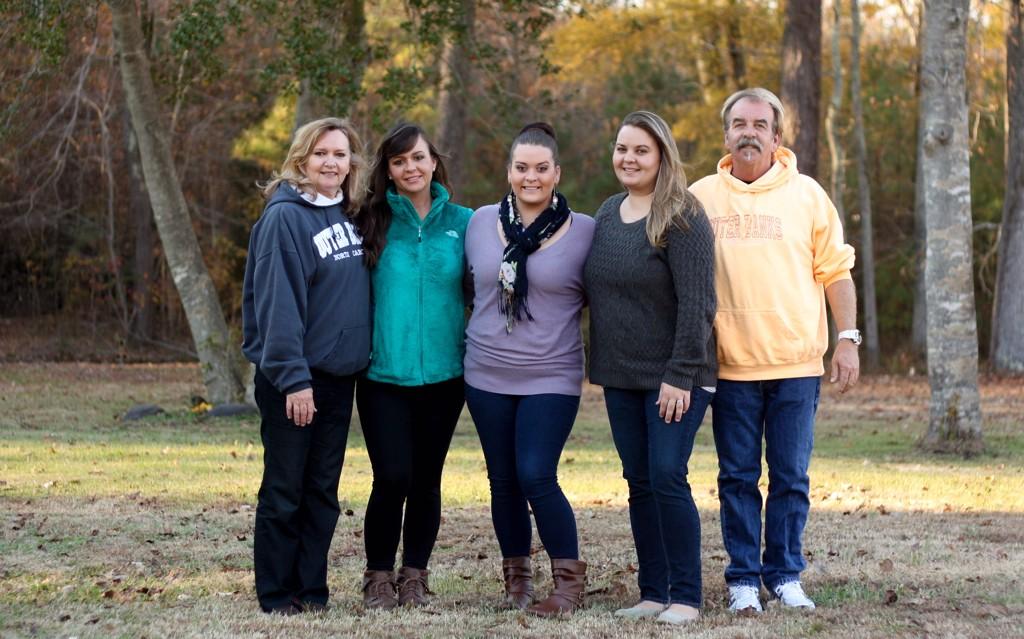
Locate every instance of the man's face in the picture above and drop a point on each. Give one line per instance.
(750, 136)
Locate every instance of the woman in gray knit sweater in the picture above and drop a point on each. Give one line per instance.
(650, 282)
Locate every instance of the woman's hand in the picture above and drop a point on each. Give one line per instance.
(299, 406)
(672, 403)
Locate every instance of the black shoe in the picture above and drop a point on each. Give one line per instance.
(314, 607)
(286, 610)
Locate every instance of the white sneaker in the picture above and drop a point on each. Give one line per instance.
(745, 598)
(792, 596)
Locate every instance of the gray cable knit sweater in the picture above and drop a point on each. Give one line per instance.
(651, 309)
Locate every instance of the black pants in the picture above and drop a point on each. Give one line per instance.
(298, 499)
(408, 430)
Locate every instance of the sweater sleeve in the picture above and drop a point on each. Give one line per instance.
(280, 295)
(692, 264)
(833, 257)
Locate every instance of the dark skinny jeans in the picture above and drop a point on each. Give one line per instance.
(664, 519)
(408, 430)
(522, 437)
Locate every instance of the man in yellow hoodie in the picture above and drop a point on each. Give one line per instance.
(779, 253)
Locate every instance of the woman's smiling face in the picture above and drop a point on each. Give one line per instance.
(533, 174)
(329, 163)
(412, 171)
(636, 159)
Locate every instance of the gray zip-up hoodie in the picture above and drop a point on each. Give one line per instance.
(306, 293)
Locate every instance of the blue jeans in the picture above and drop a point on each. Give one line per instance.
(665, 522)
(781, 412)
(523, 437)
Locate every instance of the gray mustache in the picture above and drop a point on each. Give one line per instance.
(749, 141)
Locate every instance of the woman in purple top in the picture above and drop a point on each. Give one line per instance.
(524, 363)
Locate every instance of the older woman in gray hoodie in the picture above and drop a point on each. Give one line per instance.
(306, 324)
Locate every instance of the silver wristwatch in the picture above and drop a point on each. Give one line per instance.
(852, 334)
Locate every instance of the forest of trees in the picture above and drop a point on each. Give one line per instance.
(132, 133)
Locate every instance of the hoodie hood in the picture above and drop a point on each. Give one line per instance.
(286, 192)
(783, 169)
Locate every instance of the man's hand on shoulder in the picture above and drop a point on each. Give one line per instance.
(845, 365)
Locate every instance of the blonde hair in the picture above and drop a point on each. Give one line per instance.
(672, 201)
(757, 94)
(302, 147)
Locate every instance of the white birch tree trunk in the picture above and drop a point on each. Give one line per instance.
(219, 356)
(1007, 352)
(955, 413)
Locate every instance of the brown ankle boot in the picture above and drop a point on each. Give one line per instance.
(379, 589)
(412, 586)
(518, 582)
(570, 580)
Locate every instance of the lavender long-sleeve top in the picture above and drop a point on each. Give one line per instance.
(540, 356)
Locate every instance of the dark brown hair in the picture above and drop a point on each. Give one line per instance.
(539, 134)
(374, 218)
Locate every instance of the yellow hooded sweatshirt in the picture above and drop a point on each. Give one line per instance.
(778, 245)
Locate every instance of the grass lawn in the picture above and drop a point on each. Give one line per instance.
(130, 529)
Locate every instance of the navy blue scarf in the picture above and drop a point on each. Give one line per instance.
(512, 282)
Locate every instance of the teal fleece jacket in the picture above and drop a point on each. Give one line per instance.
(418, 317)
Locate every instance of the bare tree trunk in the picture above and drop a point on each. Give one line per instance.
(835, 149)
(866, 253)
(919, 325)
(734, 37)
(801, 81)
(311, 105)
(836, 156)
(143, 273)
(955, 420)
(456, 80)
(354, 24)
(704, 81)
(1008, 312)
(308, 106)
(218, 354)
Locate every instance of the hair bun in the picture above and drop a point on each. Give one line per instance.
(543, 127)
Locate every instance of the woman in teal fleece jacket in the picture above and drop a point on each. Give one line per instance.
(412, 394)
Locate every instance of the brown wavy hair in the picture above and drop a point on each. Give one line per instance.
(374, 218)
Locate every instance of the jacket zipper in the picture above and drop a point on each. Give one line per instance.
(419, 270)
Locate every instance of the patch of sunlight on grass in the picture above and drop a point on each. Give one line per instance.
(179, 457)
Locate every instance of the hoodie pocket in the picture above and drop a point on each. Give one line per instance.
(760, 338)
(351, 353)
